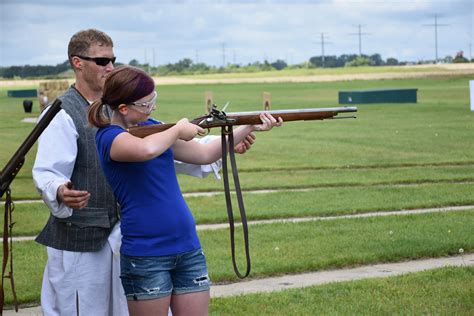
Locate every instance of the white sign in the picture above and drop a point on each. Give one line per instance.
(471, 86)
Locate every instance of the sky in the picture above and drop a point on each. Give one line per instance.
(37, 32)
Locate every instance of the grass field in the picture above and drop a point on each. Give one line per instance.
(437, 292)
(392, 157)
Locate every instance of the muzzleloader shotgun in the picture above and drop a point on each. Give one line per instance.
(216, 118)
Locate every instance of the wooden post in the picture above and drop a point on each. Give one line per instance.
(267, 101)
(471, 87)
(208, 101)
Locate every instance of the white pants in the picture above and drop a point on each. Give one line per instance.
(91, 278)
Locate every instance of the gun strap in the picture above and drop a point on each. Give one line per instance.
(7, 251)
(227, 131)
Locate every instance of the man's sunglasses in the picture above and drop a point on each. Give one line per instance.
(100, 61)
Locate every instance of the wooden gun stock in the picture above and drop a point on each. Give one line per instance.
(219, 119)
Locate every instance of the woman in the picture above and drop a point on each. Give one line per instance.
(162, 263)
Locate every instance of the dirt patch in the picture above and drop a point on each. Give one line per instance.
(415, 71)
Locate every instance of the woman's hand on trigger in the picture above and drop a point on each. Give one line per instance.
(187, 130)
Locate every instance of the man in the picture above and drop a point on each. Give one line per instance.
(82, 234)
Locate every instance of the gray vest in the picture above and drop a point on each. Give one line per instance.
(88, 228)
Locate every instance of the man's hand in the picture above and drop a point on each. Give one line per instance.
(245, 145)
(72, 198)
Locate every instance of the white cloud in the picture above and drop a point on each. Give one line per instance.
(37, 31)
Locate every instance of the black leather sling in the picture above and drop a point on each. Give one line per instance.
(226, 132)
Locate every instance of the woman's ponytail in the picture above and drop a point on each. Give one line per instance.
(96, 114)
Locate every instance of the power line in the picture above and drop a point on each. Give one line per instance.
(153, 52)
(223, 55)
(359, 34)
(322, 42)
(436, 25)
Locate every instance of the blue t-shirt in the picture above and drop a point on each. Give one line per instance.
(155, 219)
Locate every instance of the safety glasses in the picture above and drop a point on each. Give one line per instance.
(146, 107)
(100, 61)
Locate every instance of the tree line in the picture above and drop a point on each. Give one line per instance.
(28, 71)
(186, 66)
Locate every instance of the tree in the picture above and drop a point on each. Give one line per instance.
(34, 71)
(460, 58)
(392, 61)
(331, 62)
(134, 63)
(376, 60)
(344, 59)
(279, 64)
(266, 66)
(359, 61)
(184, 64)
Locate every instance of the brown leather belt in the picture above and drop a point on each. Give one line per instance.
(227, 131)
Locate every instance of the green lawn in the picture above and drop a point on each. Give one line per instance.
(392, 157)
(30, 218)
(433, 131)
(288, 248)
(446, 291)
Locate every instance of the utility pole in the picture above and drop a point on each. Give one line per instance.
(322, 42)
(436, 25)
(359, 34)
(223, 55)
(146, 62)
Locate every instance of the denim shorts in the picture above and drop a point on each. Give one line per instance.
(145, 278)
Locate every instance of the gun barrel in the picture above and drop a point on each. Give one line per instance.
(298, 111)
(245, 118)
(13, 166)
